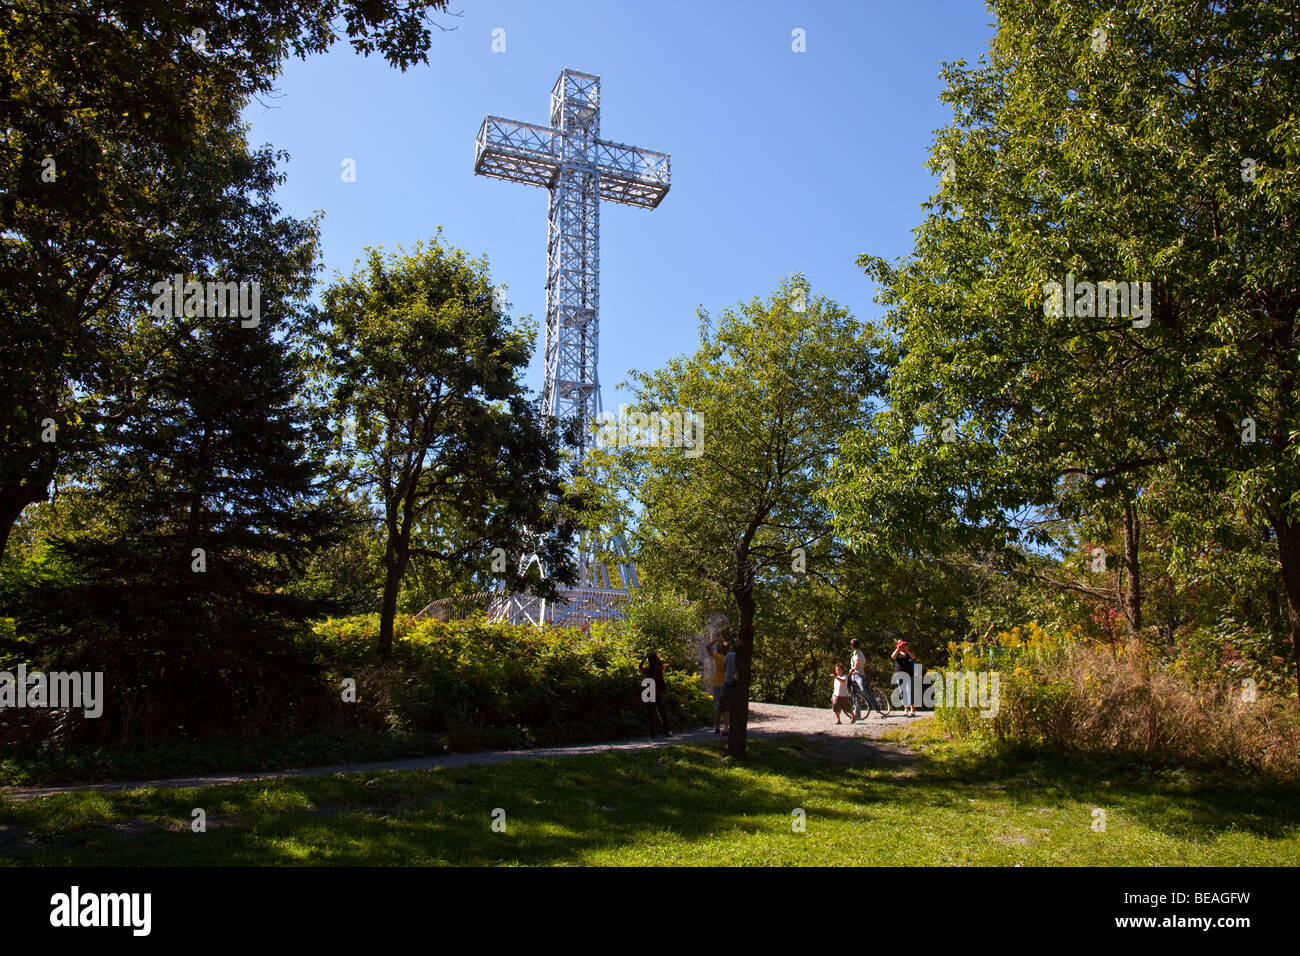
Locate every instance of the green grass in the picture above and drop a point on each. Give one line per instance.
(687, 806)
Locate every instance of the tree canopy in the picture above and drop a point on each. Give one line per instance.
(1099, 147)
(425, 369)
(772, 384)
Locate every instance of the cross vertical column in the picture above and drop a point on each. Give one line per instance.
(573, 257)
(572, 387)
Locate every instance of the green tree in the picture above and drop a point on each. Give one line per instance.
(418, 356)
(772, 384)
(808, 620)
(665, 622)
(208, 493)
(1099, 144)
(107, 183)
(347, 575)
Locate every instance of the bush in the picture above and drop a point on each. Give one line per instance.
(1063, 694)
(545, 683)
(663, 622)
(461, 685)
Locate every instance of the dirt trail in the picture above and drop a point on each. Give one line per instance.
(774, 720)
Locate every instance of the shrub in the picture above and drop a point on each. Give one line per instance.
(663, 622)
(1064, 694)
(465, 674)
(469, 684)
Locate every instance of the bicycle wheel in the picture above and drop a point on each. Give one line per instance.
(880, 702)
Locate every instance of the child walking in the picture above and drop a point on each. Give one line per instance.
(841, 700)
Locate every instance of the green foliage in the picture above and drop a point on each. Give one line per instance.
(464, 685)
(463, 675)
(347, 574)
(1145, 143)
(768, 438)
(422, 372)
(772, 383)
(166, 566)
(125, 167)
(807, 622)
(666, 623)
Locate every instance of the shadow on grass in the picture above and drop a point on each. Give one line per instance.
(1202, 803)
(685, 802)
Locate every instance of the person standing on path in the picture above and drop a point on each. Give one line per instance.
(718, 652)
(903, 661)
(652, 669)
(841, 702)
(858, 675)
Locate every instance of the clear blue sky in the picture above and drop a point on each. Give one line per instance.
(782, 162)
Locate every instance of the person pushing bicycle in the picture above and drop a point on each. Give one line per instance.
(858, 678)
(863, 692)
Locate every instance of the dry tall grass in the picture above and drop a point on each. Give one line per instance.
(1066, 696)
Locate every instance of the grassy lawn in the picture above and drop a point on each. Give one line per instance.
(687, 806)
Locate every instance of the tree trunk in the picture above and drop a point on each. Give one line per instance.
(12, 502)
(397, 554)
(738, 731)
(394, 567)
(1288, 549)
(1132, 600)
(1132, 550)
(1282, 359)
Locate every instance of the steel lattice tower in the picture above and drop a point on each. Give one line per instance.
(579, 169)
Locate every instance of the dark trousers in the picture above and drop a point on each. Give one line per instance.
(651, 707)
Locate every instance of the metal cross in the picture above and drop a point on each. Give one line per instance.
(579, 169)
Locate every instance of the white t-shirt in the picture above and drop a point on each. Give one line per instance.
(861, 660)
(841, 686)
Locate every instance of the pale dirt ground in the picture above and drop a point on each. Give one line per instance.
(776, 720)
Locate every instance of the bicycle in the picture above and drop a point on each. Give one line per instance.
(872, 697)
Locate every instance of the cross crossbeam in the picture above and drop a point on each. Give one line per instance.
(521, 152)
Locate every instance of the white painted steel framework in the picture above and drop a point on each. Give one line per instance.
(578, 606)
(578, 168)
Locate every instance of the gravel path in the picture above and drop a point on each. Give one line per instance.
(778, 718)
(847, 740)
(765, 720)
